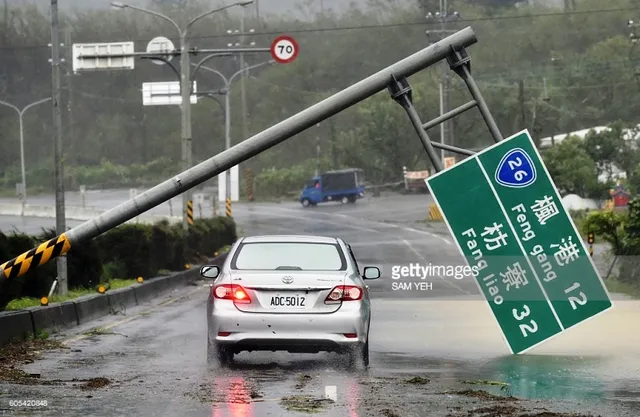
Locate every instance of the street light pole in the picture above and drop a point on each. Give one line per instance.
(185, 87)
(227, 110)
(22, 163)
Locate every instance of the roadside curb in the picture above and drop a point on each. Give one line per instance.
(22, 324)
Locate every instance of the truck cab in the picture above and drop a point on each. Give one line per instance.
(346, 186)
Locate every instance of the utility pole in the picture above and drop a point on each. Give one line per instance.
(185, 92)
(243, 92)
(243, 76)
(69, 75)
(57, 134)
(523, 118)
(442, 15)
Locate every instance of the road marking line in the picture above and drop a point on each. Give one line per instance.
(331, 392)
(136, 316)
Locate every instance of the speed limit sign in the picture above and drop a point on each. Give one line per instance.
(284, 49)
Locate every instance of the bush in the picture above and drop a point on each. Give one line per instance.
(622, 231)
(128, 251)
(284, 181)
(105, 175)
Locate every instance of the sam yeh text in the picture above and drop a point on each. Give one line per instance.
(412, 286)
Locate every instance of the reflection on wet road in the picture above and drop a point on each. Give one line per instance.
(425, 346)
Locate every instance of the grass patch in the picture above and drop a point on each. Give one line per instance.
(616, 286)
(116, 284)
(26, 302)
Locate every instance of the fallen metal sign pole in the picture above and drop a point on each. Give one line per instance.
(393, 77)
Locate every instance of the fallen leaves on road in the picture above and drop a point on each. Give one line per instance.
(305, 403)
(484, 395)
(417, 380)
(303, 379)
(22, 353)
(95, 383)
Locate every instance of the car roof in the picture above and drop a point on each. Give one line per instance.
(289, 238)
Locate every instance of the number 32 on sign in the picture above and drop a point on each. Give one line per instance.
(284, 49)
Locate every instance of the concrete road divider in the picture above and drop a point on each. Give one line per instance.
(54, 316)
(15, 325)
(91, 307)
(122, 299)
(18, 325)
(145, 292)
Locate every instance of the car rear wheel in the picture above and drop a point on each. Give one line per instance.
(217, 354)
(306, 202)
(224, 356)
(359, 355)
(344, 200)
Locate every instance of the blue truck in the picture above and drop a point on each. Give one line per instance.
(345, 185)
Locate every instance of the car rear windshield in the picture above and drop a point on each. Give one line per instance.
(292, 256)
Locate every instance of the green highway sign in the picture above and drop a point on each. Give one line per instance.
(507, 218)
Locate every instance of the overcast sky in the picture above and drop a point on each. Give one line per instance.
(265, 6)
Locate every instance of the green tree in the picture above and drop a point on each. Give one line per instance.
(573, 170)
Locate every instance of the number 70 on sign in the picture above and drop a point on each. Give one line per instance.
(284, 49)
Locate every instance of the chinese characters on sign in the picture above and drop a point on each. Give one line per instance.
(532, 265)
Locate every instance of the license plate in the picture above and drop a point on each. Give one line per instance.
(288, 301)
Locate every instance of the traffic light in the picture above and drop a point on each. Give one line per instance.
(591, 238)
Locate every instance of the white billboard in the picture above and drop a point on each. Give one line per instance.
(82, 59)
(165, 93)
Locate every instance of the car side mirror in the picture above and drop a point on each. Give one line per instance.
(371, 272)
(210, 271)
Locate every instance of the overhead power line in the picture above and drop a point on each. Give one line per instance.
(390, 25)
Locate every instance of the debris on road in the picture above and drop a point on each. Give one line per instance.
(23, 353)
(417, 380)
(305, 403)
(95, 383)
(484, 395)
(98, 331)
(303, 380)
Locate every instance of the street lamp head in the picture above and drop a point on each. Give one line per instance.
(118, 5)
(245, 3)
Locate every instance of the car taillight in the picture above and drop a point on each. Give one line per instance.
(344, 293)
(231, 292)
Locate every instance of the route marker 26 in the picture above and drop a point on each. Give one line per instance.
(533, 267)
(284, 49)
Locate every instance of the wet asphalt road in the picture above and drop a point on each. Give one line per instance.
(157, 364)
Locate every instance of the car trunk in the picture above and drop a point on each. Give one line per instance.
(303, 292)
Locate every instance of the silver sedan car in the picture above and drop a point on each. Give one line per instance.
(301, 294)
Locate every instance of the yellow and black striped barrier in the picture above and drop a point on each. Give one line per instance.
(190, 212)
(434, 213)
(248, 183)
(29, 261)
(228, 207)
